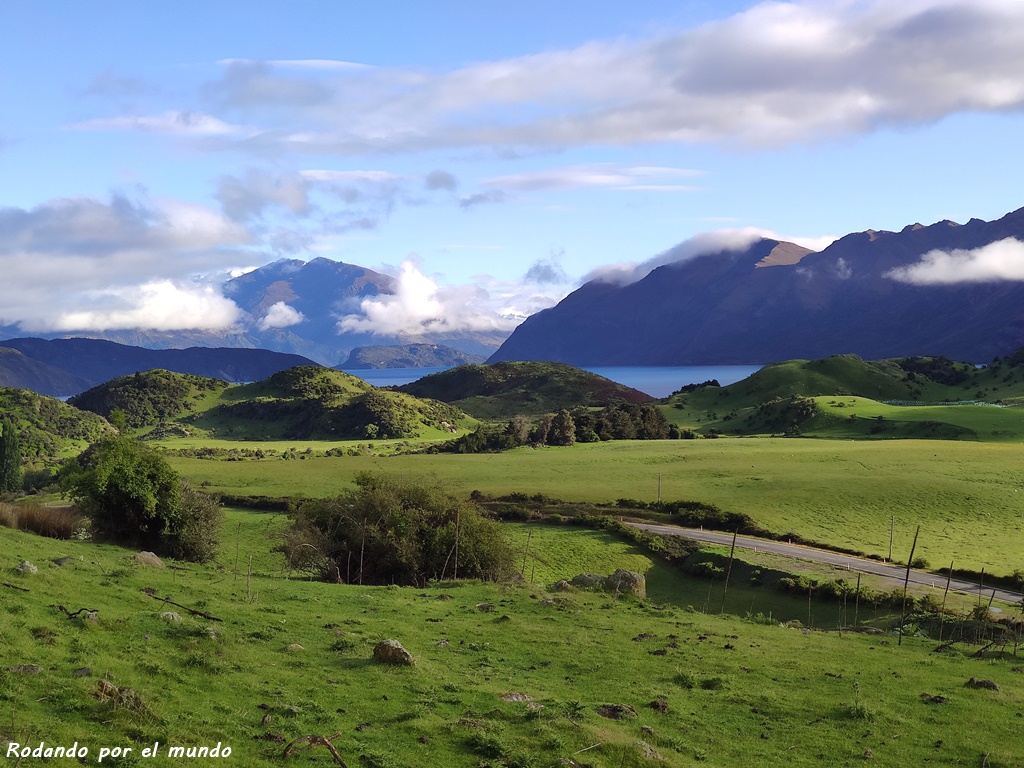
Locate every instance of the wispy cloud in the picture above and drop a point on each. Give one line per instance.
(775, 74)
(602, 175)
(184, 124)
(484, 198)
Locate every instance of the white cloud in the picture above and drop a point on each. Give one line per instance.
(330, 65)
(160, 305)
(281, 315)
(1001, 260)
(184, 124)
(116, 264)
(702, 244)
(352, 177)
(419, 305)
(609, 175)
(777, 73)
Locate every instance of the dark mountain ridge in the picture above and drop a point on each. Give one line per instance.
(746, 307)
(83, 363)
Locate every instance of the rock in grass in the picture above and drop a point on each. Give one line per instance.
(990, 685)
(148, 558)
(392, 652)
(25, 669)
(588, 581)
(627, 581)
(25, 567)
(170, 617)
(561, 586)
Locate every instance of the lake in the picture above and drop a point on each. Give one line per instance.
(657, 381)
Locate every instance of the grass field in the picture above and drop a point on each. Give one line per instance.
(518, 685)
(966, 496)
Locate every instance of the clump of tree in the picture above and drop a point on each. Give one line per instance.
(132, 496)
(10, 458)
(616, 421)
(388, 531)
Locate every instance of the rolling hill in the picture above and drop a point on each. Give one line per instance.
(530, 388)
(307, 402)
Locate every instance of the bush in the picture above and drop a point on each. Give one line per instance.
(392, 532)
(132, 496)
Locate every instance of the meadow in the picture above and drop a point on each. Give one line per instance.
(965, 496)
(504, 676)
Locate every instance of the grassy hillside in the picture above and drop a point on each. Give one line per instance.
(48, 428)
(919, 397)
(308, 402)
(534, 681)
(506, 389)
(965, 495)
(150, 397)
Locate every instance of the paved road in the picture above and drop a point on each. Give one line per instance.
(895, 573)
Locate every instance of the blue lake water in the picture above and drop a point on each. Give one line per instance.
(658, 381)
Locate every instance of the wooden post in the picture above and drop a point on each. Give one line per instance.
(906, 581)
(892, 530)
(728, 570)
(527, 552)
(942, 611)
(248, 582)
(856, 605)
(457, 521)
(238, 542)
(981, 584)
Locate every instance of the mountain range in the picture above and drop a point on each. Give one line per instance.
(876, 294)
(294, 306)
(60, 367)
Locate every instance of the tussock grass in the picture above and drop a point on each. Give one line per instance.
(54, 522)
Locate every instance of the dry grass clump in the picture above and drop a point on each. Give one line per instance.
(121, 697)
(54, 522)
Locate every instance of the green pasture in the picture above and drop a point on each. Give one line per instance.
(981, 422)
(504, 675)
(966, 496)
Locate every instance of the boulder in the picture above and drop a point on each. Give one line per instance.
(171, 616)
(627, 581)
(25, 567)
(392, 652)
(561, 586)
(148, 558)
(588, 581)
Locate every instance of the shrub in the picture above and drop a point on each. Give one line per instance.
(132, 495)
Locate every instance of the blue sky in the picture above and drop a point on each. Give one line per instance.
(492, 156)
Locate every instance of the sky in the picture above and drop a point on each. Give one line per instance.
(490, 156)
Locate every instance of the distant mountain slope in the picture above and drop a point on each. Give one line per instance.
(19, 371)
(770, 302)
(408, 356)
(93, 361)
(308, 402)
(505, 389)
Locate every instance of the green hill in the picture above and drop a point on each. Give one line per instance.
(47, 427)
(308, 402)
(150, 397)
(500, 390)
(844, 396)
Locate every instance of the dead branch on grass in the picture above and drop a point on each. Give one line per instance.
(193, 611)
(316, 741)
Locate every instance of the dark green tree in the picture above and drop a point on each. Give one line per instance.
(131, 495)
(10, 458)
(563, 429)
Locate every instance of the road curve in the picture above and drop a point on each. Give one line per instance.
(895, 573)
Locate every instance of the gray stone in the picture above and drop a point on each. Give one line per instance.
(392, 652)
(25, 567)
(148, 558)
(588, 581)
(170, 616)
(627, 581)
(990, 685)
(561, 586)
